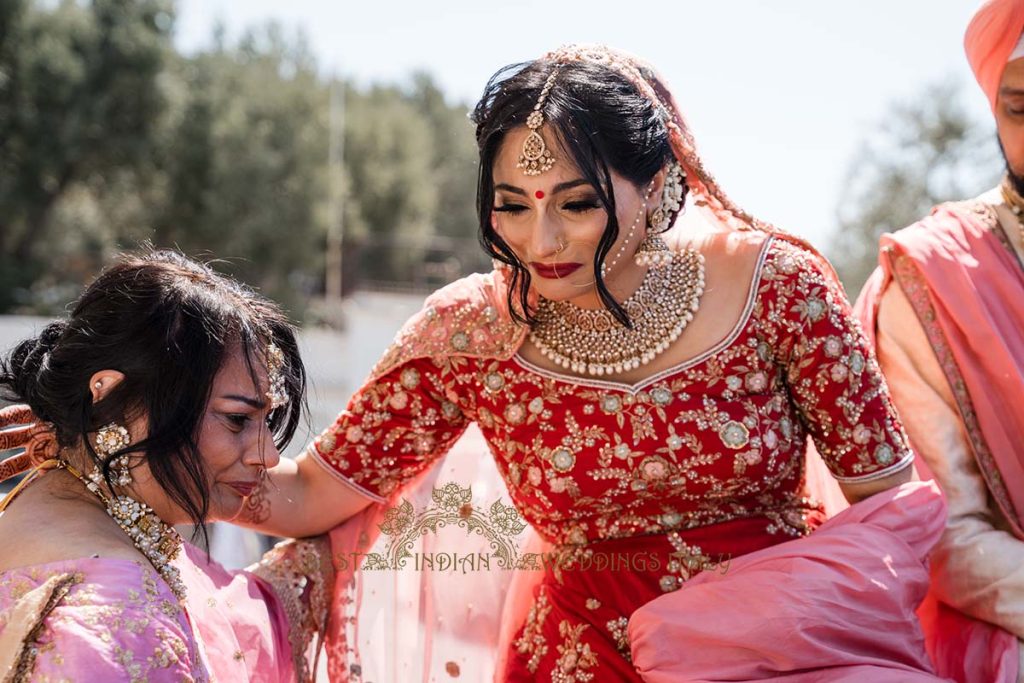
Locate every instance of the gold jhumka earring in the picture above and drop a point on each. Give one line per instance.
(653, 251)
(109, 440)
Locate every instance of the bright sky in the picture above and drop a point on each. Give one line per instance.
(779, 94)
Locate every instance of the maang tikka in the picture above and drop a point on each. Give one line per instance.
(536, 158)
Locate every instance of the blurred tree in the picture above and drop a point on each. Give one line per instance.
(926, 152)
(109, 138)
(244, 164)
(79, 98)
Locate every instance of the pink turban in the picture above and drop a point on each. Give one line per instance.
(991, 37)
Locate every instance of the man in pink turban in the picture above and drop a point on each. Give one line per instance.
(946, 311)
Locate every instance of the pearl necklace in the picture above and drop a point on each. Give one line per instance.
(153, 537)
(1015, 202)
(593, 342)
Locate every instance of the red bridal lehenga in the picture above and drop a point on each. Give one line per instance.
(675, 517)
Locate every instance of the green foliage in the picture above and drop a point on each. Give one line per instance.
(78, 101)
(927, 151)
(109, 138)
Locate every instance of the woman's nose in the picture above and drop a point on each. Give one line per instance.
(547, 239)
(264, 453)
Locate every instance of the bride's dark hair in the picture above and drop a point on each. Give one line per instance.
(598, 118)
(167, 323)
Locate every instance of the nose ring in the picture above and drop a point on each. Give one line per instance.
(561, 246)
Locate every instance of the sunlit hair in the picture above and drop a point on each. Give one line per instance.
(168, 324)
(600, 120)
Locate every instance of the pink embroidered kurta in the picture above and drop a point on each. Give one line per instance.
(116, 620)
(693, 466)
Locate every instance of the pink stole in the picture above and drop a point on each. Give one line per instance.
(967, 287)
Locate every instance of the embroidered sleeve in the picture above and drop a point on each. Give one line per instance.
(301, 575)
(395, 426)
(833, 377)
(80, 631)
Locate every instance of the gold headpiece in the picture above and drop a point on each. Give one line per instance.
(275, 376)
(536, 158)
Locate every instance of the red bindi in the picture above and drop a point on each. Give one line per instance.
(539, 194)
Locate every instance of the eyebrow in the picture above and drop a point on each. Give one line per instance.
(560, 187)
(255, 403)
(1011, 92)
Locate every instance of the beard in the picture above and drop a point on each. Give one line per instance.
(1017, 181)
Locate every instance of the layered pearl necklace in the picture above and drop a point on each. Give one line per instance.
(593, 342)
(154, 538)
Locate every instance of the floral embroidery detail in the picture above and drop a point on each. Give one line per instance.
(884, 454)
(536, 406)
(575, 657)
(857, 362)
(734, 434)
(617, 627)
(460, 341)
(450, 410)
(833, 347)
(399, 400)
(532, 641)
(815, 309)
(410, 378)
(757, 382)
(654, 468)
(610, 403)
(494, 382)
(563, 459)
(515, 413)
(354, 434)
(661, 396)
(593, 603)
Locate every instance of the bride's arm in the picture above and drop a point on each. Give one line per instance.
(395, 427)
(301, 498)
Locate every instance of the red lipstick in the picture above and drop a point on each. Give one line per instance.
(555, 270)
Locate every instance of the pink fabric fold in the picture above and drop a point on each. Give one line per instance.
(837, 605)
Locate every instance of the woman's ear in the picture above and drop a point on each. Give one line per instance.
(103, 382)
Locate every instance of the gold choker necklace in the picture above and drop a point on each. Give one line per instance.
(593, 342)
(153, 537)
(1013, 200)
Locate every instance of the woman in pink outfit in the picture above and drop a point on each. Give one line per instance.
(160, 401)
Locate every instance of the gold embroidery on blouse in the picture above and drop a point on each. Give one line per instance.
(532, 641)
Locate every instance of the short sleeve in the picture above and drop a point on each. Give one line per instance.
(394, 427)
(833, 377)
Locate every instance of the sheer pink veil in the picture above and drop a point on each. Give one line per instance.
(409, 626)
